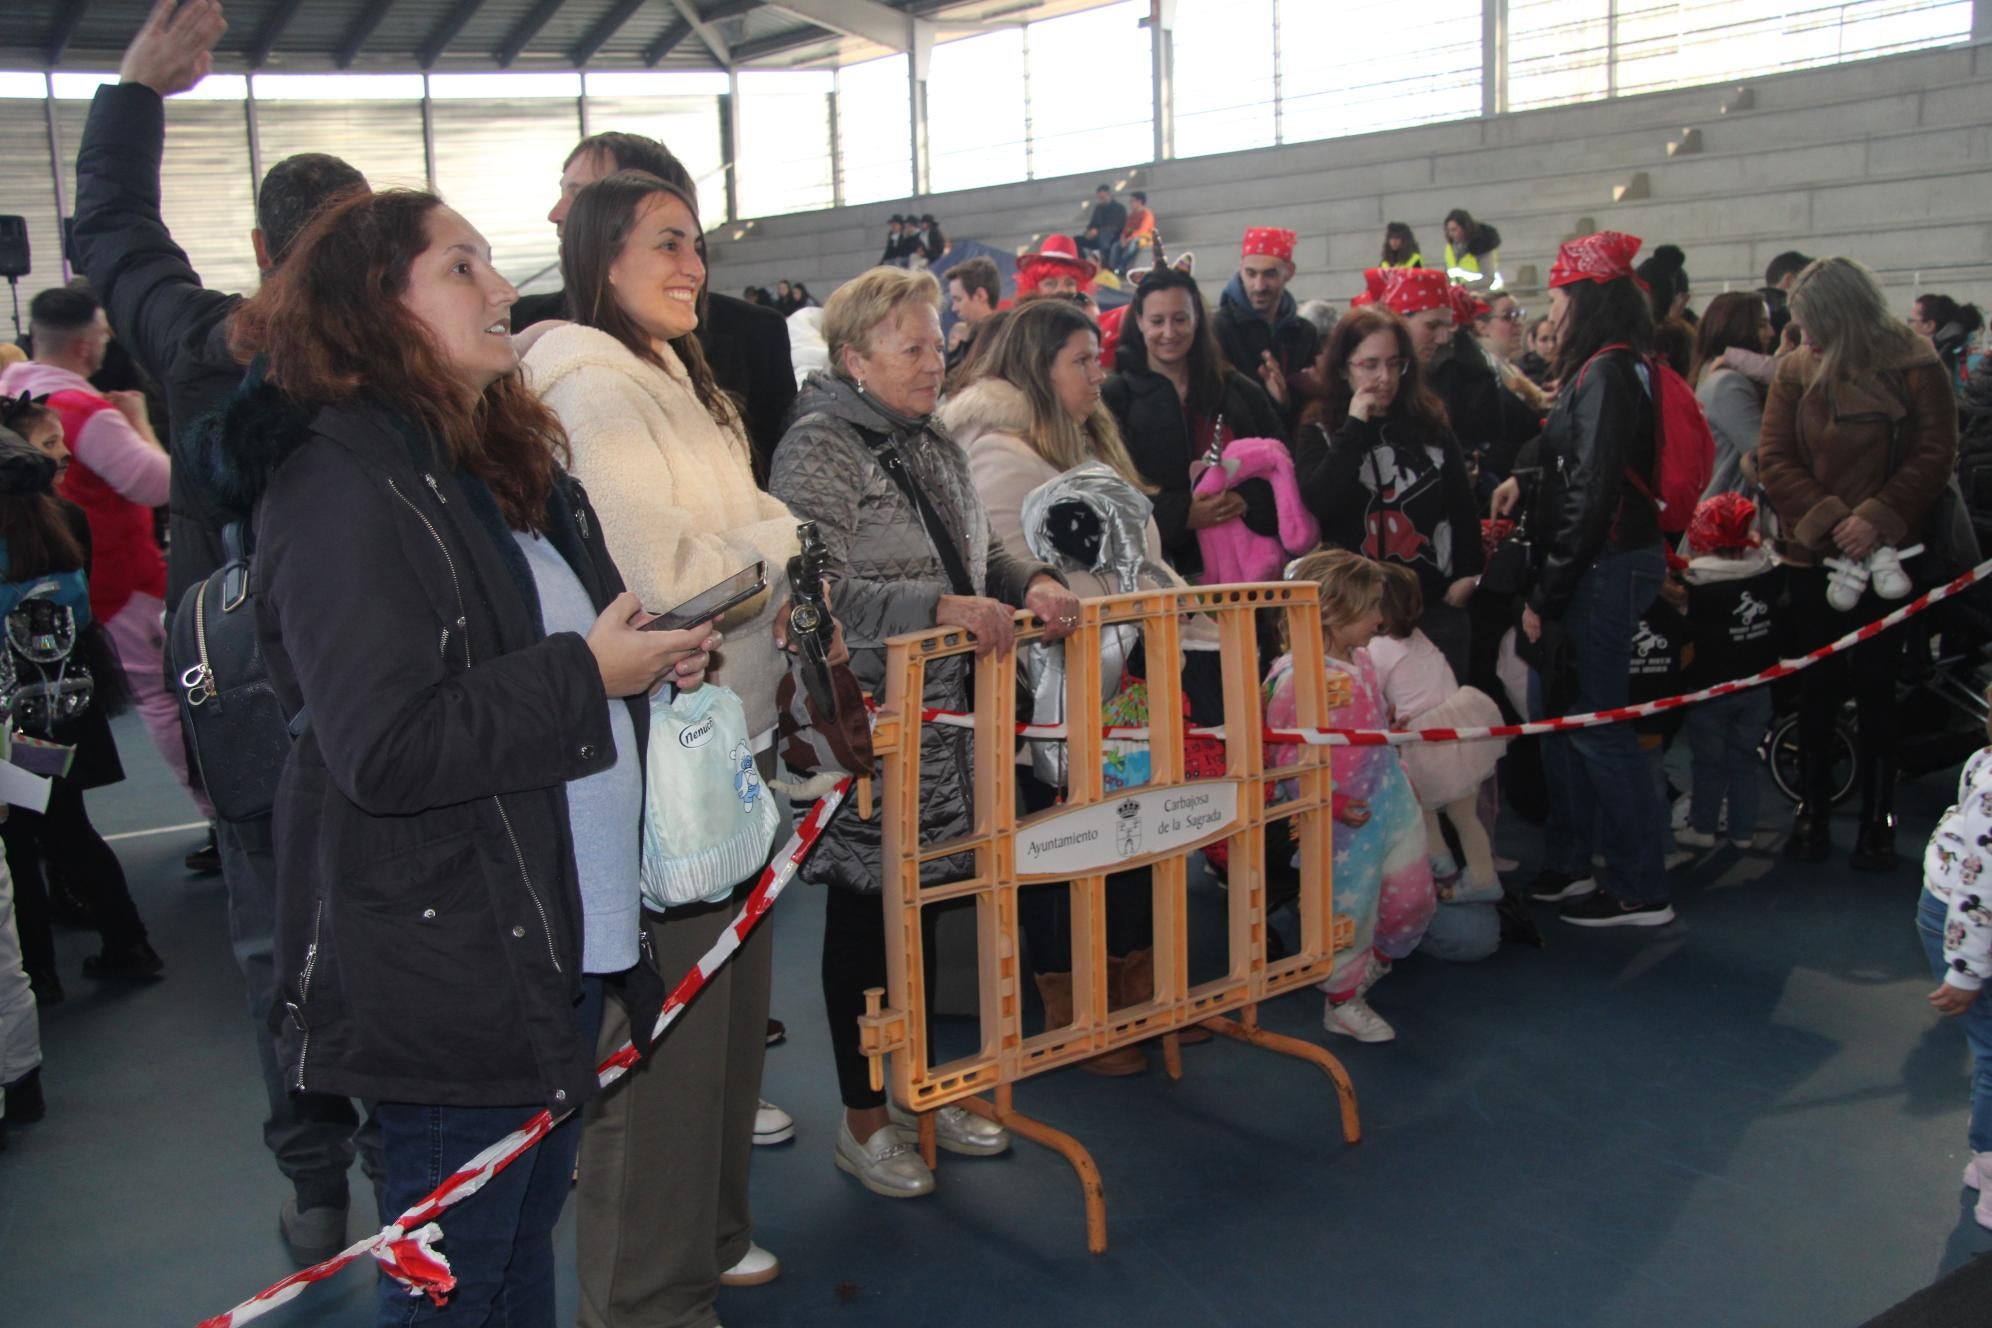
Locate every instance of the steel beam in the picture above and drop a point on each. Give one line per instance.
(356, 36)
(522, 33)
(446, 32)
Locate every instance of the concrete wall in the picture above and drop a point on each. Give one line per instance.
(1887, 160)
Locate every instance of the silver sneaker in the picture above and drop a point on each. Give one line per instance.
(956, 1129)
(885, 1164)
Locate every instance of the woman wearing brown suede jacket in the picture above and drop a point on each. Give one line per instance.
(1859, 439)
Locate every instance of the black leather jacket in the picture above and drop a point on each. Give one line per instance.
(1584, 505)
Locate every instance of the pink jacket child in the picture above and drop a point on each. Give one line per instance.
(1232, 551)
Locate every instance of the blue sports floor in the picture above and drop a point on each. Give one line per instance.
(1750, 1118)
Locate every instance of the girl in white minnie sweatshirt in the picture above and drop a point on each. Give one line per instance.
(1954, 918)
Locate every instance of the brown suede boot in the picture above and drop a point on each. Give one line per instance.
(1121, 1061)
(1137, 987)
(1055, 990)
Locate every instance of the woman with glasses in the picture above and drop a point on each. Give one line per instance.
(1383, 474)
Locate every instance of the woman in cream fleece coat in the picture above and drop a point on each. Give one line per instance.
(662, 1196)
(675, 492)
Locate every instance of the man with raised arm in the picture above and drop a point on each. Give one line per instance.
(177, 329)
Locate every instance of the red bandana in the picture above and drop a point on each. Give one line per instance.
(1270, 242)
(1406, 290)
(1466, 306)
(1606, 256)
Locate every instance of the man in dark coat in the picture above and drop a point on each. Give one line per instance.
(1258, 324)
(177, 330)
(1103, 229)
(746, 345)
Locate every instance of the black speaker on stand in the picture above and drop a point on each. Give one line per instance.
(14, 263)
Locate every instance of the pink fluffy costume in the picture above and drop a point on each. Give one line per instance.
(1232, 552)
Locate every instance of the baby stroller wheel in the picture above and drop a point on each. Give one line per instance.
(1780, 752)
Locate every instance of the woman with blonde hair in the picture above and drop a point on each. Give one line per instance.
(910, 547)
(1859, 440)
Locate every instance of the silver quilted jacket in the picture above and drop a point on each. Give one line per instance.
(887, 580)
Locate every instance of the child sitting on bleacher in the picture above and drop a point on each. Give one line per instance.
(1383, 882)
(1733, 591)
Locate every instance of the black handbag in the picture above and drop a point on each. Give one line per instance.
(236, 726)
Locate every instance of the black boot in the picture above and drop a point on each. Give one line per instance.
(1811, 830)
(1874, 844)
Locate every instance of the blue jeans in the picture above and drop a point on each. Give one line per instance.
(1977, 1023)
(1601, 791)
(499, 1241)
(1723, 735)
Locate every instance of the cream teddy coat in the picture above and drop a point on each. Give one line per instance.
(675, 494)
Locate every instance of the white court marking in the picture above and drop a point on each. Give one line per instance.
(156, 830)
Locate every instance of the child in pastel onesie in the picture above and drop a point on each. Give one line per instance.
(1382, 881)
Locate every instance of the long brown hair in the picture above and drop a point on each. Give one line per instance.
(332, 326)
(597, 227)
(1414, 403)
(1022, 357)
(1729, 320)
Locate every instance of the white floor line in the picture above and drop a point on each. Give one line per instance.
(156, 830)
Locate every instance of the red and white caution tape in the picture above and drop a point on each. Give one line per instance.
(1563, 724)
(406, 1248)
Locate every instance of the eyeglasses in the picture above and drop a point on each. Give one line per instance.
(1394, 368)
(1514, 315)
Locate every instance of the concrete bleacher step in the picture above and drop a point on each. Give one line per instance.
(1890, 158)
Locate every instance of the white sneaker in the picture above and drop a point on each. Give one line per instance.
(1354, 1018)
(1975, 1173)
(1847, 583)
(772, 1125)
(1885, 570)
(755, 1268)
(956, 1130)
(1692, 838)
(885, 1164)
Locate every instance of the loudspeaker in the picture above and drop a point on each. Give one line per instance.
(14, 247)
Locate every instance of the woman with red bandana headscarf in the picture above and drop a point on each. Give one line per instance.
(1600, 563)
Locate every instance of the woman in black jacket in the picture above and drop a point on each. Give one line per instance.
(1176, 402)
(1599, 567)
(1384, 475)
(456, 826)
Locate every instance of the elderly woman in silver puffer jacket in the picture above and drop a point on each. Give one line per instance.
(860, 446)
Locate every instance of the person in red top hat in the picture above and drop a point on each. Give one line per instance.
(1055, 269)
(1258, 322)
(1600, 566)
